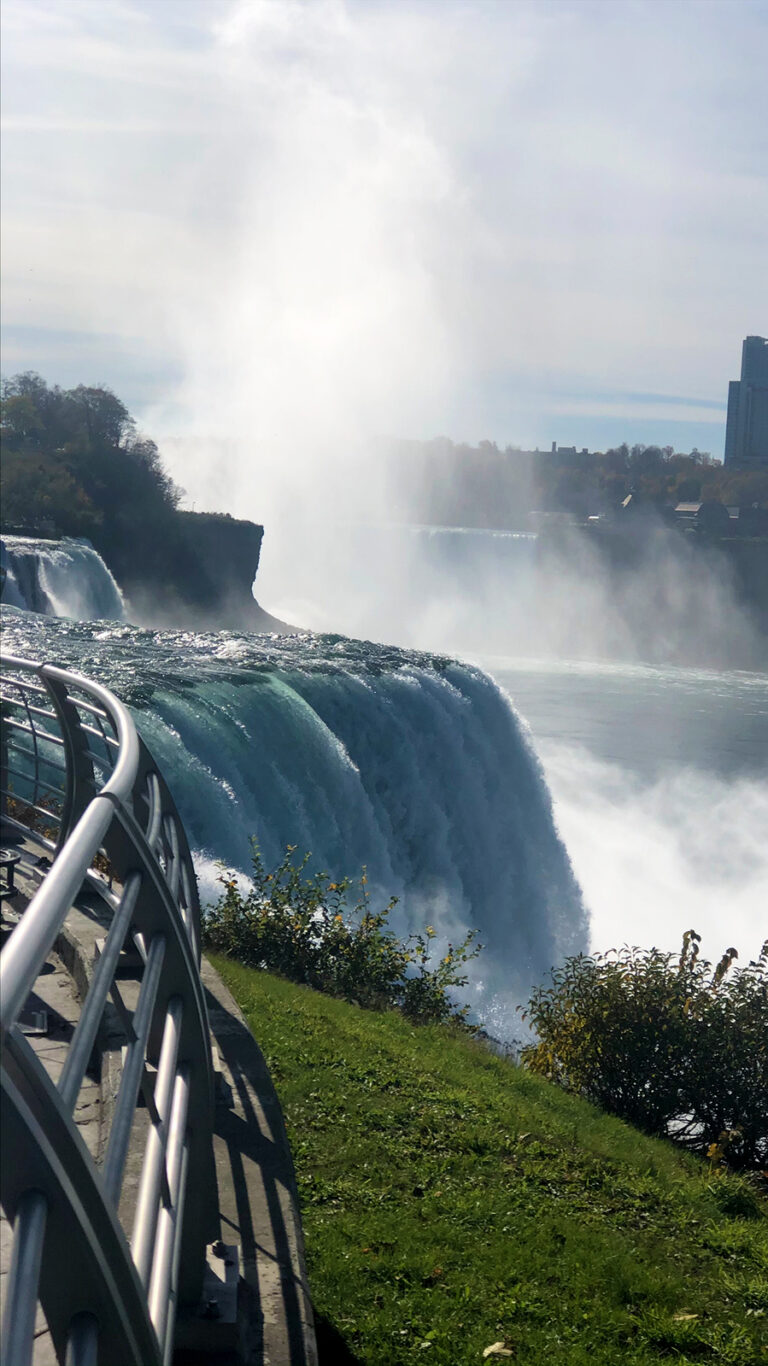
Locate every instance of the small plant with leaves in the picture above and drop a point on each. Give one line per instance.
(302, 926)
(664, 1041)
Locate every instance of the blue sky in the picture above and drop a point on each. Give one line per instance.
(300, 225)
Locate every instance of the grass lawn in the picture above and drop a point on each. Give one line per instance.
(451, 1201)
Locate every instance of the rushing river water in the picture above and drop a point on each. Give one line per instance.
(413, 765)
(550, 805)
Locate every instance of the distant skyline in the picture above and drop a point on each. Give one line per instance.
(320, 222)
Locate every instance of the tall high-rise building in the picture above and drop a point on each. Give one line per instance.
(746, 432)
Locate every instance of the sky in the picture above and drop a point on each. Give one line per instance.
(289, 226)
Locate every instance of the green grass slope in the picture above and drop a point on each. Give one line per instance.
(452, 1202)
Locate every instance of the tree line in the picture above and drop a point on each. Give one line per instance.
(488, 486)
(75, 464)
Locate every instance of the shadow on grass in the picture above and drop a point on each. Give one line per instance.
(332, 1350)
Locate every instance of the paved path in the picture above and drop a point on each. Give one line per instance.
(48, 1021)
(257, 1189)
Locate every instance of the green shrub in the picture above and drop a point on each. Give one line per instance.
(664, 1042)
(302, 927)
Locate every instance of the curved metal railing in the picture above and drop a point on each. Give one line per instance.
(74, 771)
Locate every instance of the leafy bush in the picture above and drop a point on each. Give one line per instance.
(664, 1042)
(302, 927)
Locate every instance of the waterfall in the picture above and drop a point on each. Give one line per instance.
(59, 579)
(414, 765)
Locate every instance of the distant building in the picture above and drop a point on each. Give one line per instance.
(724, 520)
(687, 512)
(746, 433)
(567, 450)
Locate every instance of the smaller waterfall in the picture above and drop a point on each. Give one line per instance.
(59, 579)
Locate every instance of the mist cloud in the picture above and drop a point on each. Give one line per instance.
(339, 219)
(651, 858)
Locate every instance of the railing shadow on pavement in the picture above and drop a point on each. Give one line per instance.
(257, 1183)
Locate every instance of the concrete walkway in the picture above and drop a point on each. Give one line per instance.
(48, 1023)
(258, 1263)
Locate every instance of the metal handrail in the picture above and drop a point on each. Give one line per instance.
(111, 828)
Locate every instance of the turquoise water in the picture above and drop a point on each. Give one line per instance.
(416, 766)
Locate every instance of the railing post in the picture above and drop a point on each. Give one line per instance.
(23, 1277)
(79, 776)
(4, 780)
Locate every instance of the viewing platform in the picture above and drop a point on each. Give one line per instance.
(149, 1201)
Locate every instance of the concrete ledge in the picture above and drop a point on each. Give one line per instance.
(258, 1200)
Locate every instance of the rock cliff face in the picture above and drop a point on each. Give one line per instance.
(228, 551)
(206, 580)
